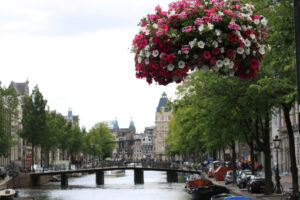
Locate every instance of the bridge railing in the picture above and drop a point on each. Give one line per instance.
(143, 164)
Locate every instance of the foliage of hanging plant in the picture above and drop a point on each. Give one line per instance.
(212, 35)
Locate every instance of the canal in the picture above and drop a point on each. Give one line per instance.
(115, 188)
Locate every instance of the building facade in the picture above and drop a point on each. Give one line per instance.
(279, 128)
(163, 116)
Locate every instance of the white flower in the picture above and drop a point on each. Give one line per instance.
(204, 68)
(141, 53)
(155, 26)
(226, 61)
(254, 52)
(215, 44)
(201, 44)
(186, 52)
(240, 50)
(264, 21)
(147, 61)
(247, 43)
(155, 53)
(181, 64)
(147, 32)
(262, 50)
(210, 26)
(195, 56)
(139, 59)
(218, 32)
(252, 36)
(222, 50)
(200, 28)
(231, 65)
(172, 13)
(192, 43)
(219, 39)
(221, 13)
(219, 63)
(244, 56)
(247, 51)
(161, 54)
(256, 21)
(170, 67)
(179, 52)
(147, 47)
(147, 54)
(187, 56)
(244, 27)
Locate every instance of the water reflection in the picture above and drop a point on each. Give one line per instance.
(115, 188)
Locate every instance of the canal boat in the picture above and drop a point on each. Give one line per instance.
(7, 194)
(114, 173)
(200, 187)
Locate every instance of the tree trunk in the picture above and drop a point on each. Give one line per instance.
(32, 157)
(252, 157)
(267, 152)
(233, 163)
(294, 170)
(41, 162)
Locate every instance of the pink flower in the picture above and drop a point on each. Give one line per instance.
(234, 26)
(206, 55)
(198, 21)
(254, 64)
(213, 61)
(231, 37)
(256, 16)
(230, 53)
(215, 51)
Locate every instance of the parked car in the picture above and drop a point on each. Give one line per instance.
(243, 177)
(2, 172)
(229, 177)
(256, 184)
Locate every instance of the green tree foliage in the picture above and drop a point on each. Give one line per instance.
(102, 139)
(8, 113)
(34, 119)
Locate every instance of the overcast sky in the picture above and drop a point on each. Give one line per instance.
(78, 53)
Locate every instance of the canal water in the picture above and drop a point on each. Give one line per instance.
(155, 187)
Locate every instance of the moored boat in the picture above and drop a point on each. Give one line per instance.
(115, 173)
(200, 187)
(7, 194)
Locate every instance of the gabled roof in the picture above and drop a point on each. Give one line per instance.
(163, 101)
(20, 88)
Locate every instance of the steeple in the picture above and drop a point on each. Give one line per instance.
(115, 124)
(163, 101)
(131, 125)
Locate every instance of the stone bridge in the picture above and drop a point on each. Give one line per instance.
(139, 168)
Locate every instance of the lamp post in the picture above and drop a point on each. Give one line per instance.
(277, 177)
(92, 146)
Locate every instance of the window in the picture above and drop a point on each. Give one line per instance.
(166, 118)
(166, 127)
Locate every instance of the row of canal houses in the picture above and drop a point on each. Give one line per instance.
(151, 143)
(21, 152)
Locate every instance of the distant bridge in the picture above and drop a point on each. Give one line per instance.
(138, 168)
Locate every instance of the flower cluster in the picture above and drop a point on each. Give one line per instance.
(217, 35)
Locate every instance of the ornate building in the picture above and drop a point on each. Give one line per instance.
(20, 153)
(125, 140)
(162, 118)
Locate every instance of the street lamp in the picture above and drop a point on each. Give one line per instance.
(92, 146)
(277, 177)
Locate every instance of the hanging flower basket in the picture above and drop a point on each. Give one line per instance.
(211, 35)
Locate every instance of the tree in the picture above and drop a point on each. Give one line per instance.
(34, 119)
(103, 140)
(8, 113)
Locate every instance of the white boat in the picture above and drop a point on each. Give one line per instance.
(7, 194)
(114, 173)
